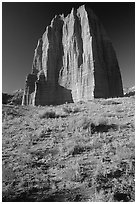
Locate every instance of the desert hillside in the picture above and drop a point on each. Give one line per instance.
(72, 152)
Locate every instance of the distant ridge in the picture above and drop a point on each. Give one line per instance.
(129, 91)
(14, 98)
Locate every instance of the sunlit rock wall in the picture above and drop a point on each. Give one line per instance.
(73, 61)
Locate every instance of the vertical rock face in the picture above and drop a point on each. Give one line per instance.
(74, 60)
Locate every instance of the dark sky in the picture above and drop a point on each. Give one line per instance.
(24, 23)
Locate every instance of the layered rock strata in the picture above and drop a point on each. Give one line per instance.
(73, 61)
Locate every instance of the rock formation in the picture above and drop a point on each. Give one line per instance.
(129, 91)
(73, 61)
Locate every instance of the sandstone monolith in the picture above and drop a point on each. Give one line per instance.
(74, 61)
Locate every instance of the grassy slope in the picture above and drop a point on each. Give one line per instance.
(73, 152)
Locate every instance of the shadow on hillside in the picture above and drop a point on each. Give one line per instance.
(100, 128)
(105, 128)
(46, 195)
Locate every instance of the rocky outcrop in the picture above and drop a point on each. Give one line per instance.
(74, 60)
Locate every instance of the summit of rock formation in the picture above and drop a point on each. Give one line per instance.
(74, 61)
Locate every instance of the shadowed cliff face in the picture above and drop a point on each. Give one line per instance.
(74, 60)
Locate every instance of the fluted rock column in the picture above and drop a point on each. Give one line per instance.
(29, 89)
(73, 61)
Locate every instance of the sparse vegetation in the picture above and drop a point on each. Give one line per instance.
(81, 152)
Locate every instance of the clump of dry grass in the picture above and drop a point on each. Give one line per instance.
(55, 113)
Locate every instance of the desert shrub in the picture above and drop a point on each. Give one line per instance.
(102, 125)
(109, 115)
(12, 112)
(72, 126)
(125, 125)
(60, 112)
(81, 102)
(71, 110)
(84, 122)
(119, 109)
(52, 114)
(101, 121)
(67, 109)
(48, 114)
(110, 102)
(76, 110)
(44, 133)
(99, 125)
(78, 149)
